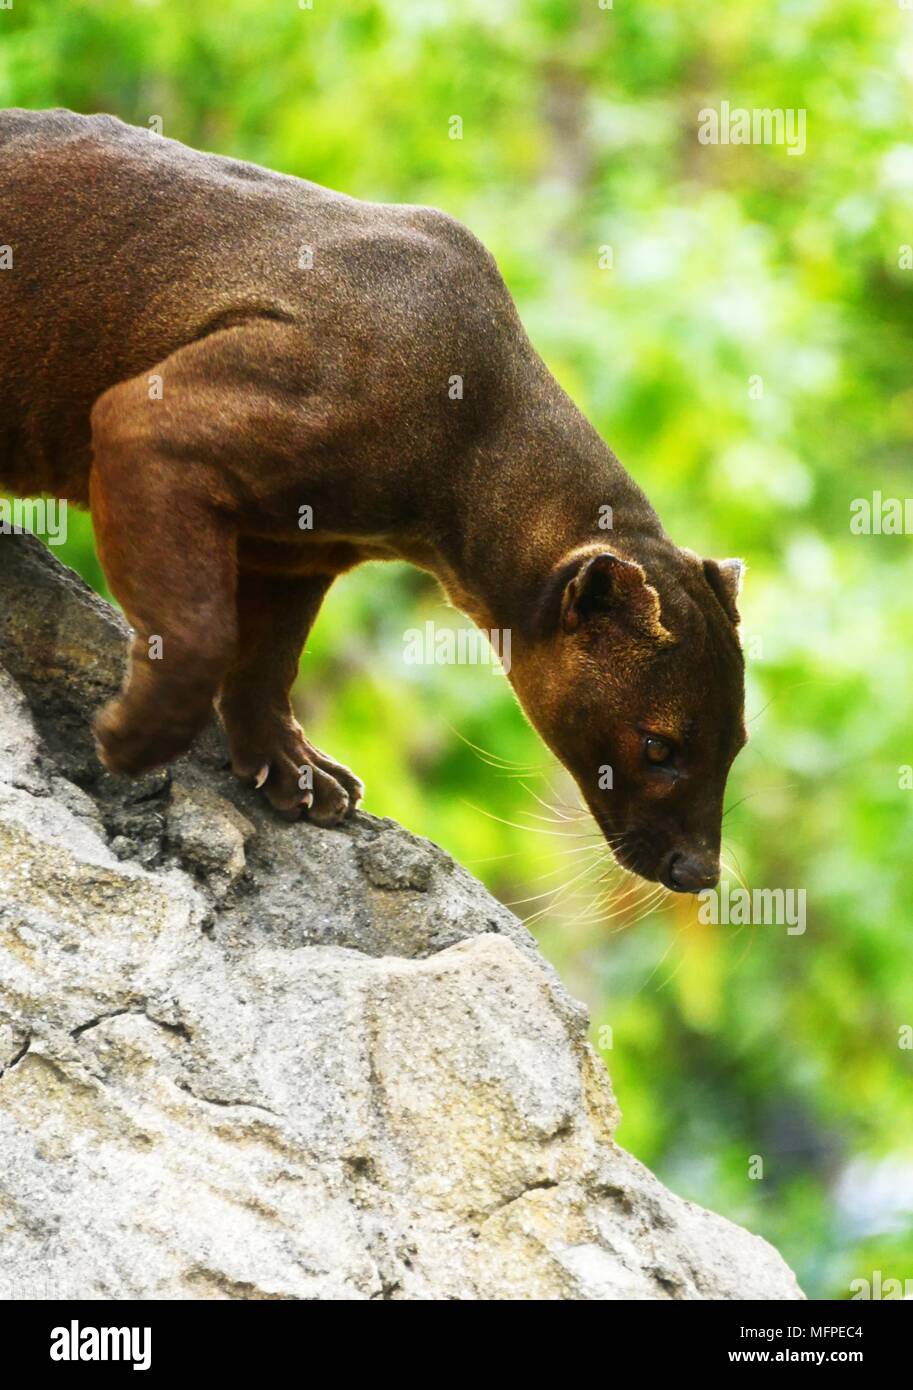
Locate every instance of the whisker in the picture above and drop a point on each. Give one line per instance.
(787, 787)
(657, 897)
(672, 974)
(550, 873)
(735, 870)
(555, 892)
(535, 829)
(614, 899)
(787, 689)
(551, 820)
(546, 804)
(494, 759)
(540, 912)
(672, 941)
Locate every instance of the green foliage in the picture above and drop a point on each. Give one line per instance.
(731, 263)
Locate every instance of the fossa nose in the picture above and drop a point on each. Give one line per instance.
(687, 871)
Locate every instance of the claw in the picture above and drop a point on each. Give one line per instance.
(261, 776)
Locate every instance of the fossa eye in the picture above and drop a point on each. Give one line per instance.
(657, 750)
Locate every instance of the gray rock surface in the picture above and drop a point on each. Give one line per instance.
(243, 1059)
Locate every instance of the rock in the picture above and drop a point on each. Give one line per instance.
(207, 832)
(243, 1059)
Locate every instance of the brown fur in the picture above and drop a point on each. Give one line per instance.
(136, 259)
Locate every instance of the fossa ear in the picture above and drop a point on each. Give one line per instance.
(608, 586)
(725, 579)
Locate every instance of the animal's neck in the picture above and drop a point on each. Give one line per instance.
(542, 487)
